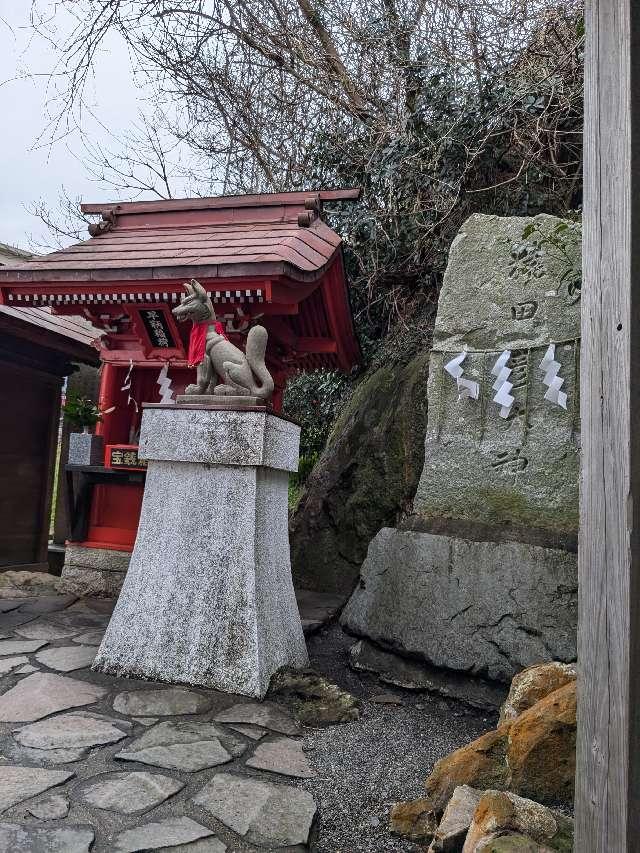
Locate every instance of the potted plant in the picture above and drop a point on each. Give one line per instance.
(83, 414)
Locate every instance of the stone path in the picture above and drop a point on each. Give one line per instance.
(92, 762)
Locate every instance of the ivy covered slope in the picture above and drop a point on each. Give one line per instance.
(368, 473)
(505, 143)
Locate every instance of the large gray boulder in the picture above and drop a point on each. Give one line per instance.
(367, 476)
(482, 578)
(484, 608)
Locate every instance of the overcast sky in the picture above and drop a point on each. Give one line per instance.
(31, 171)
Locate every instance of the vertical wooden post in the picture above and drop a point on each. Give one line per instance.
(608, 766)
(84, 381)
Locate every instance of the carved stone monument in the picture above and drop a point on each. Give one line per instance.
(482, 578)
(208, 599)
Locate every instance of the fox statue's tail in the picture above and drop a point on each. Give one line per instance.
(255, 350)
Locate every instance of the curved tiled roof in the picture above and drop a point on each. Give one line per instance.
(260, 235)
(268, 255)
(75, 336)
(76, 328)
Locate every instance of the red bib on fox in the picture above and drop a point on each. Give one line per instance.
(198, 341)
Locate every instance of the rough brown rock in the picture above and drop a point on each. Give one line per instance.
(414, 819)
(534, 755)
(505, 814)
(512, 843)
(542, 748)
(456, 820)
(533, 684)
(480, 764)
(368, 474)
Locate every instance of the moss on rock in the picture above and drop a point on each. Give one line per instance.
(481, 764)
(532, 755)
(368, 473)
(414, 819)
(542, 747)
(314, 700)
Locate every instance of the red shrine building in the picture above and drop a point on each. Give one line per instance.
(267, 259)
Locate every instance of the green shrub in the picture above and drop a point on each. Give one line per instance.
(313, 400)
(81, 411)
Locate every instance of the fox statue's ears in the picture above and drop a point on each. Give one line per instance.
(199, 290)
(194, 288)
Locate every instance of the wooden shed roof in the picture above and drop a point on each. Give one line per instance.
(75, 337)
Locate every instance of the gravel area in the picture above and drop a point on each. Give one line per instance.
(365, 766)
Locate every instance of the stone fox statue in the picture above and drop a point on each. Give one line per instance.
(214, 354)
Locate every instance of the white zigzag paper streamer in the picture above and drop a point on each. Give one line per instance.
(127, 386)
(166, 394)
(453, 367)
(502, 385)
(550, 368)
(466, 387)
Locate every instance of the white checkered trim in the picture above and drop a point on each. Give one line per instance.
(217, 296)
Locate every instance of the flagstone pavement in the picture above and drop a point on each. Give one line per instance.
(93, 762)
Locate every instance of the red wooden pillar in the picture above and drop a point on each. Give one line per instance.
(279, 381)
(108, 396)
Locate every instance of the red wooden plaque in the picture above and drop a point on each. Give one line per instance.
(157, 330)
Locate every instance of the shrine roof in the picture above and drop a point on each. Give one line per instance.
(267, 256)
(76, 328)
(266, 235)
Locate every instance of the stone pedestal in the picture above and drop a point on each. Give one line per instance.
(85, 449)
(208, 599)
(220, 401)
(94, 571)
